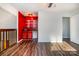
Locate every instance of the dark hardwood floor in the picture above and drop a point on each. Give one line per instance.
(42, 49)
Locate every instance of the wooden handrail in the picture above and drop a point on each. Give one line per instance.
(7, 29)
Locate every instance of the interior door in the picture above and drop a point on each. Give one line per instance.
(66, 27)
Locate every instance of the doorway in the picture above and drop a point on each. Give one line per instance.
(66, 28)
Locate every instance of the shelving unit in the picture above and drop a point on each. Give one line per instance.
(30, 30)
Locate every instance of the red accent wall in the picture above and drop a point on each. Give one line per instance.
(20, 25)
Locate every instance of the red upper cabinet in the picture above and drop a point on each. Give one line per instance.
(31, 21)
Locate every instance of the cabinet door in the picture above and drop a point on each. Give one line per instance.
(25, 35)
(34, 33)
(30, 35)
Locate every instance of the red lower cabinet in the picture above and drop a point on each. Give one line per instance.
(25, 35)
(29, 35)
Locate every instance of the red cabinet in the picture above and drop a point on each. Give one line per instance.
(26, 26)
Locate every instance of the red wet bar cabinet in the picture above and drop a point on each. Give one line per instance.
(27, 26)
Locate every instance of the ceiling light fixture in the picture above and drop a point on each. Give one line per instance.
(51, 4)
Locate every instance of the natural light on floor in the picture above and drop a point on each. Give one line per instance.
(62, 46)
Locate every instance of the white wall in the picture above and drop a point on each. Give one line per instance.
(50, 27)
(74, 28)
(9, 8)
(7, 20)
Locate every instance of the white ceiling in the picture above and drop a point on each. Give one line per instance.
(60, 7)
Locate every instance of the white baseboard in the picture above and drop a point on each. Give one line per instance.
(52, 41)
(56, 41)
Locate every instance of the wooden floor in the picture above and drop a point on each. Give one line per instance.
(42, 49)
